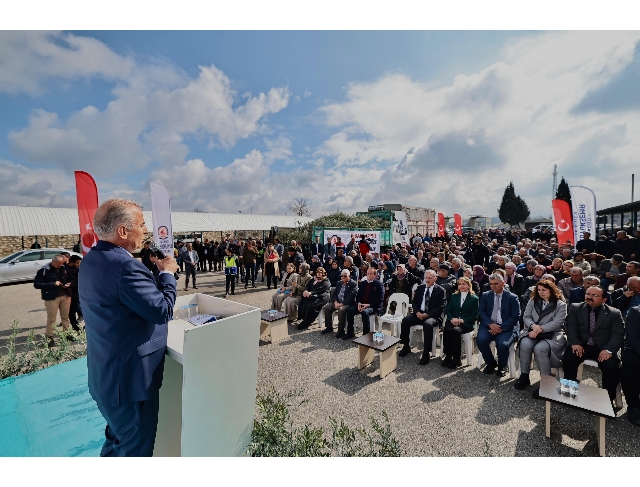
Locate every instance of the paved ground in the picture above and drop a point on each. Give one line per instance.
(433, 411)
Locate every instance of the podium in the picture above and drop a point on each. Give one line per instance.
(207, 399)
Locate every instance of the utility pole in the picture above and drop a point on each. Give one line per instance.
(555, 181)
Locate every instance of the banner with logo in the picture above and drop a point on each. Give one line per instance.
(363, 238)
(583, 204)
(400, 228)
(87, 197)
(441, 232)
(563, 221)
(457, 224)
(161, 208)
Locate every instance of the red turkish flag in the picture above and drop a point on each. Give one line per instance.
(440, 225)
(564, 221)
(87, 196)
(457, 222)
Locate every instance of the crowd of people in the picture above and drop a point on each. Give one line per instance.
(559, 303)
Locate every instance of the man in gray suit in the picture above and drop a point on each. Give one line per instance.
(595, 331)
(330, 248)
(191, 259)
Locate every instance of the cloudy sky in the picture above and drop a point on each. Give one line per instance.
(247, 121)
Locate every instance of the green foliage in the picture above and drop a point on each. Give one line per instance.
(563, 192)
(338, 219)
(274, 434)
(36, 354)
(513, 209)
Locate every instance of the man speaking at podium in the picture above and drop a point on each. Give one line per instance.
(126, 312)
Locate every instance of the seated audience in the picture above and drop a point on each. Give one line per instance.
(499, 312)
(428, 305)
(595, 331)
(314, 297)
(632, 270)
(289, 281)
(512, 279)
(333, 274)
(542, 334)
(290, 304)
(461, 314)
(344, 296)
(577, 294)
(468, 273)
(610, 269)
(627, 297)
(574, 281)
(445, 280)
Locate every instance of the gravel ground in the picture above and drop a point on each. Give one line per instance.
(433, 411)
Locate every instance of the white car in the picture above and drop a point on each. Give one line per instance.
(23, 265)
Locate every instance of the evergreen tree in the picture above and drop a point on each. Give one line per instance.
(563, 192)
(513, 209)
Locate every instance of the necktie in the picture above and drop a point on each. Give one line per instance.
(592, 326)
(494, 313)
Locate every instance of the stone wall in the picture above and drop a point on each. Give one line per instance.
(8, 245)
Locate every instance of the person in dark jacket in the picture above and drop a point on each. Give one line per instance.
(461, 315)
(145, 255)
(605, 247)
(586, 245)
(75, 312)
(402, 282)
(478, 253)
(313, 299)
(333, 273)
(630, 371)
(625, 245)
(370, 301)
(315, 264)
(514, 280)
(627, 297)
(344, 296)
(55, 290)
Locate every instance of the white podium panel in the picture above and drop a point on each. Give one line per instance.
(207, 399)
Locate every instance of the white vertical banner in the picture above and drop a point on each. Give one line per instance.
(400, 228)
(583, 207)
(161, 209)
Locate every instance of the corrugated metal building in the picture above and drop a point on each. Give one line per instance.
(17, 221)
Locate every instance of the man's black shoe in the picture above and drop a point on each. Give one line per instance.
(340, 334)
(523, 382)
(303, 326)
(254, 285)
(454, 365)
(446, 361)
(424, 360)
(633, 415)
(348, 336)
(536, 393)
(233, 294)
(500, 372)
(327, 330)
(489, 368)
(405, 351)
(51, 343)
(75, 328)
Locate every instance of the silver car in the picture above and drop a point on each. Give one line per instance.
(23, 265)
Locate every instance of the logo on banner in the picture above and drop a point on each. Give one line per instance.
(88, 239)
(163, 232)
(564, 228)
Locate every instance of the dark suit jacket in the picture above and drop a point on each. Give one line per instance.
(509, 309)
(350, 292)
(376, 295)
(126, 314)
(317, 248)
(319, 290)
(468, 312)
(632, 328)
(609, 331)
(437, 301)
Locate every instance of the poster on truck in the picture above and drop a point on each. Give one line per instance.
(400, 228)
(364, 239)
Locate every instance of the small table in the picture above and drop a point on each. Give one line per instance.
(367, 351)
(591, 399)
(274, 326)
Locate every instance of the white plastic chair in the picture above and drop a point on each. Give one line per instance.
(513, 373)
(467, 343)
(321, 319)
(402, 308)
(357, 321)
(593, 363)
(435, 340)
(413, 293)
(558, 372)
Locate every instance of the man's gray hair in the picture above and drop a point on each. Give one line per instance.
(496, 277)
(532, 262)
(413, 257)
(430, 271)
(577, 269)
(345, 272)
(112, 214)
(457, 260)
(58, 258)
(348, 259)
(593, 279)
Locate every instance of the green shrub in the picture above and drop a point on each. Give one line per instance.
(338, 219)
(36, 354)
(274, 434)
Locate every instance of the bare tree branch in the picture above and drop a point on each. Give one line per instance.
(300, 207)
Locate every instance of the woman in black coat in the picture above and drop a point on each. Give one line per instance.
(315, 296)
(333, 274)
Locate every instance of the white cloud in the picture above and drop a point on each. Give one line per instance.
(30, 57)
(154, 108)
(455, 147)
(22, 186)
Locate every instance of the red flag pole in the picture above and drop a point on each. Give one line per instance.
(87, 197)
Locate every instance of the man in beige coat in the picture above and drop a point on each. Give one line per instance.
(291, 303)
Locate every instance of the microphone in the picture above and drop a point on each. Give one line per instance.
(155, 248)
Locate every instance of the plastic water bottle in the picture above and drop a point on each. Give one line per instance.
(564, 387)
(574, 389)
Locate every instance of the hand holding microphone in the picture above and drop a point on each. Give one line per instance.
(164, 262)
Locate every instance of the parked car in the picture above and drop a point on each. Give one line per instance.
(541, 228)
(23, 265)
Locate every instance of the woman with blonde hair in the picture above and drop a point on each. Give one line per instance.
(542, 334)
(461, 315)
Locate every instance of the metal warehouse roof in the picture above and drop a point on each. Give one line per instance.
(16, 221)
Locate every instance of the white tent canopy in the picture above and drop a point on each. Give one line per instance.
(16, 221)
